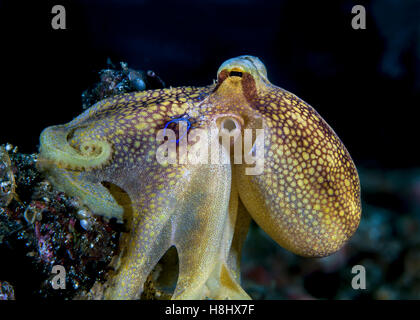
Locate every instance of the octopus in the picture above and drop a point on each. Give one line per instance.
(306, 197)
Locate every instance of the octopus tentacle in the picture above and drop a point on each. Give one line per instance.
(92, 154)
(92, 194)
(199, 226)
(217, 278)
(141, 253)
(242, 222)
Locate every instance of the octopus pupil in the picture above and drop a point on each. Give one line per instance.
(235, 74)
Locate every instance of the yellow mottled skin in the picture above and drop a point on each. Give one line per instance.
(307, 197)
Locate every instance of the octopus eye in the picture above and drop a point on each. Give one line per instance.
(235, 74)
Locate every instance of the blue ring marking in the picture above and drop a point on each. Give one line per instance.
(178, 120)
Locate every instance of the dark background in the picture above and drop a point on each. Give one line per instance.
(365, 83)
